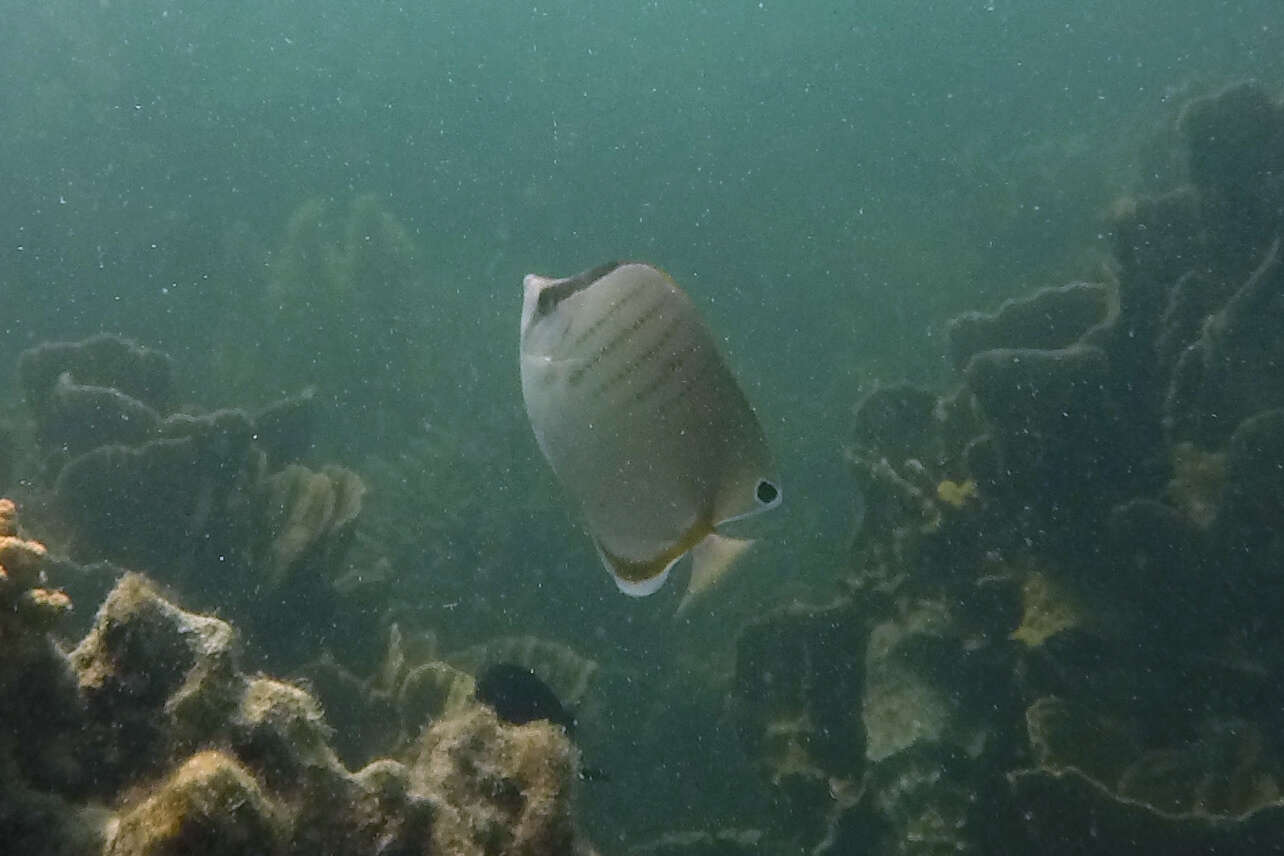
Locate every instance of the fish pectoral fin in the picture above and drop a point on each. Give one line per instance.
(711, 559)
(637, 579)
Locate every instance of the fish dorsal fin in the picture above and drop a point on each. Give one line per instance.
(638, 579)
(711, 559)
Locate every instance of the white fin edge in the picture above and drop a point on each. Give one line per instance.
(636, 588)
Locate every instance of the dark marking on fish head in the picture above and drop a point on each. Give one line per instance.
(555, 292)
(541, 294)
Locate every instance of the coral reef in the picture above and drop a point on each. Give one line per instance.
(311, 518)
(86, 392)
(214, 504)
(417, 685)
(798, 723)
(349, 286)
(1060, 629)
(152, 715)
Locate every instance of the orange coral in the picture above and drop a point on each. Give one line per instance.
(8, 517)
(22, 576)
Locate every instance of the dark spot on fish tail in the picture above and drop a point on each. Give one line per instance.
(767, 493)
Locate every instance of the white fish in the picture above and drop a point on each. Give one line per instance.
(642, 421)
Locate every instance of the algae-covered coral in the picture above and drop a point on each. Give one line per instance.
(148, 735)
(149, 738)
(346, 308)
(1080, 649)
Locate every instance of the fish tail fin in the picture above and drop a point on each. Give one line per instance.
(711, 559)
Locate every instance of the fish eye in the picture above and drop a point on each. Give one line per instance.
(766, 492)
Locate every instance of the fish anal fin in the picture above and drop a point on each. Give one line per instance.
(712, 557)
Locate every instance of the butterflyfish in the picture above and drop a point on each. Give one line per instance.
(642, 421)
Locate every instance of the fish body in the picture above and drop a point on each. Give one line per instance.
(641, 419)
(518, 696)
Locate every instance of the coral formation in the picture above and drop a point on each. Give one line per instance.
(140, 378)
(152, 715)
(211, 804)
(417, 685)
(310, 516)
(502, 789)
(214, 503)
(348, 284)
(1066, 586)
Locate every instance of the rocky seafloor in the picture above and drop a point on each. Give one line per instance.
(1058, 632)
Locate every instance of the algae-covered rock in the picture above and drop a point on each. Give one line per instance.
(503, 789)
(148, 738)
(922, 677)
(155, 678)
(279, 730)
(210, 806)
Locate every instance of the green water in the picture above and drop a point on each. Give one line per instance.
(831, 181)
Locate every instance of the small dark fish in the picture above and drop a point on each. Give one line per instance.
(518, 696)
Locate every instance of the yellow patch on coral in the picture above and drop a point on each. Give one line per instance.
(956, 493)
(1046, 610)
